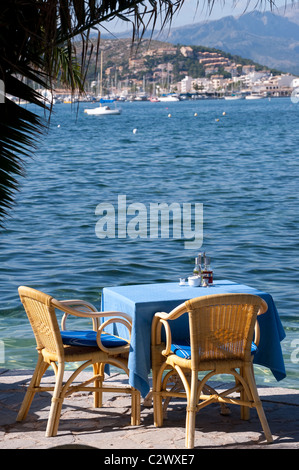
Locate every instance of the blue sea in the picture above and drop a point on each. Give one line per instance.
(239, 159)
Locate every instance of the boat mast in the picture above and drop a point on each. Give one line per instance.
(101, 89)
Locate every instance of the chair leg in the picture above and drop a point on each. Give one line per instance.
(158, 410)
(157, 398)
(56, 404)
(98, 395)
(191, 412)
(135, 412)
(190, 427)
(258, 404)
(245, 410)
(39, 371)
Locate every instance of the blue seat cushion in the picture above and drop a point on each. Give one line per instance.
(183, 349)
(89, 338)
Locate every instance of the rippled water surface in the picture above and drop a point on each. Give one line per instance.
(241, 165)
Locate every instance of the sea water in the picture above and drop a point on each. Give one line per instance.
(239, 159)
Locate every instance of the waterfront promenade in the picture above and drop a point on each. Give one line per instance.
(109, 428)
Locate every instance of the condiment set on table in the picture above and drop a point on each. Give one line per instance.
(202, 272)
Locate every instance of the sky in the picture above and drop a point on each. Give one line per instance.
(191, 13)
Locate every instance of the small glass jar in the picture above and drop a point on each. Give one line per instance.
(197, 267)
(207, 272)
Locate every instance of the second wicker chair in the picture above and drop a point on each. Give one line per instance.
(55, 347)
(221, 334)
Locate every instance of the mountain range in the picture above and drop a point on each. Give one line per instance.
(271, 39)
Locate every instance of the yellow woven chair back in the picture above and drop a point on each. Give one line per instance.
(222, 327)
(43, 320)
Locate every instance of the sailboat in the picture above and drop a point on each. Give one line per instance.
(233, 97)
(169, 98)
(254, 96)
(103, 110)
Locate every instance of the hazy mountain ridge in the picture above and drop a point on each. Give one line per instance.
(266, 38)
(290, 11)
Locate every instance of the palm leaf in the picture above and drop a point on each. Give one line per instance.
(18, 133)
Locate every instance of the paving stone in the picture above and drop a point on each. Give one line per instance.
(82, 426)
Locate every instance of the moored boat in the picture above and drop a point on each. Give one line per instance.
(233, 97)
(169, 98)
(254, 96)
(103, 110)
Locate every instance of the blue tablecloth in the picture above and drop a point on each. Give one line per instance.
(142, 301)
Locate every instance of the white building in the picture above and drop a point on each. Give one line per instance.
(287, 80)
(203, 84)
(254, 77)
(186, 51)
(217, 81)
(186, 84)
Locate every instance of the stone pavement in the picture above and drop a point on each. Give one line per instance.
(109, 428)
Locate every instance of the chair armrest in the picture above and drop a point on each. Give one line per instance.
(79, 306)
(79, 303)
(161, 318)
(263, 309)
(122, 318)
(64, 306)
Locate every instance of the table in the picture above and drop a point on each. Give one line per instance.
(142, 301)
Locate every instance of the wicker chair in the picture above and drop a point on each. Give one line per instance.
(222, 328)
(56, 347)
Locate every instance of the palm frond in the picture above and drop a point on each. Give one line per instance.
(18, 134)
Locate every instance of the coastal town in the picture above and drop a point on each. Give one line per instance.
(158, 70)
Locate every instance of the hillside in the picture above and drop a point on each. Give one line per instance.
(266, 38)
(157, 60)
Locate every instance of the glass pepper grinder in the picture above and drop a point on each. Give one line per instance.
(207, 272)
(197, 267)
